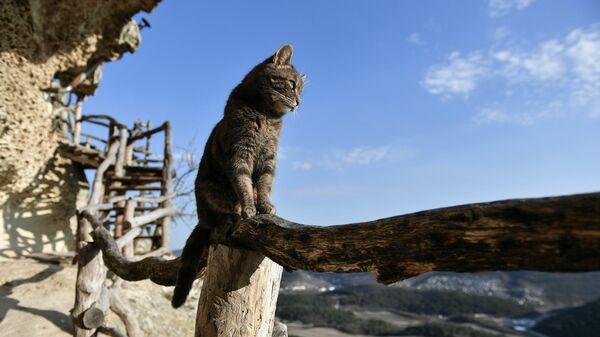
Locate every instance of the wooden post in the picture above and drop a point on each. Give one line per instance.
(147, 154)
(90, 279)
(120, 172)
(239, 294)
(166, 184)
(77, 124)
(111, 134)
(128, 215)
(91, 271)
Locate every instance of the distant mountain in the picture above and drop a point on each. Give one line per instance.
(544, 291)
(320, 282)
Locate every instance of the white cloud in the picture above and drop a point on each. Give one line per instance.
(458, 76)
(594, 111)
(502, 7)
(363, 155)
(325, 191)
(339, 159)
(415, 38)
(501, 33)
(554, 76)
(543, 63)
(583, 51)
(496, 115)
(302, 165)
(489, 116)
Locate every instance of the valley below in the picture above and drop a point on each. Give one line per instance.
(35, 299)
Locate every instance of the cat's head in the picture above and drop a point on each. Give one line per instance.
(276, 82)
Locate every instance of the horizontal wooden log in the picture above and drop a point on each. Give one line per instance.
(112, 201)
(106, 117)
(137, 179)
(80, 154)
(98, 123)
(136, 188)
(90, 136)
(151, 217)
(152, 160)
(129, 236)
(558, 234)
(148, 133)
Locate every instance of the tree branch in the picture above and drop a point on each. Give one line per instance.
(558, 234)
(157, 269)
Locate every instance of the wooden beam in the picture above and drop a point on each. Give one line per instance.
(152, 216)
(557, 234)
(98, 185)
(139, 179)
(77, 127)
(136, 187)
(167, 188)
(106, 117)
(148, 133)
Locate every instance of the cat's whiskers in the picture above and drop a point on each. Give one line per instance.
(286, 99)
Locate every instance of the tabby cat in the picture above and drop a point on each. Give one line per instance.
(235, 177)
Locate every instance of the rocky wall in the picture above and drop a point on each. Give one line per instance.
(42, 40)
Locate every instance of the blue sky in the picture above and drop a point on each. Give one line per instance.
(410, 105)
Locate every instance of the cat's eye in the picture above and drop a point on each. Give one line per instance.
(292, 84)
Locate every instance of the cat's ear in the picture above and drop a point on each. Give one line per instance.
(283, 56)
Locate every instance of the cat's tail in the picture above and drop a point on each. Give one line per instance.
(191, 258)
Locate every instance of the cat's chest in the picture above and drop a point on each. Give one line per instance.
(266, 131)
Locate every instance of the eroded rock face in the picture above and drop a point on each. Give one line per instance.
(41, 40)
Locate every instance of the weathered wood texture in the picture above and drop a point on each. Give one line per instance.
(91, 274)
(157, 269)
(558, 234)
(239, 294)
(167, 185)
(91, 271)
(94, 316)
(152, 216)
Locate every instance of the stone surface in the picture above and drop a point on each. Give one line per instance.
(44, 40)
(35, 299)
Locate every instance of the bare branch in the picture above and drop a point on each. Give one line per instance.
(157, 269)
(558, 234)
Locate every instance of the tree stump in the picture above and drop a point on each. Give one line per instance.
(239, 294)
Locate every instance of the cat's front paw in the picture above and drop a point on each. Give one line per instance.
(265, 208)
(248, 212)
